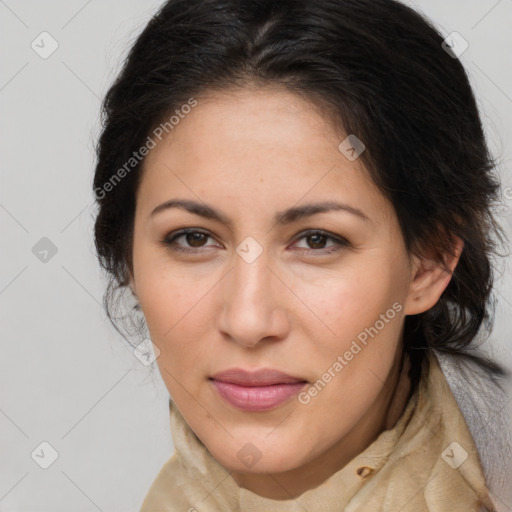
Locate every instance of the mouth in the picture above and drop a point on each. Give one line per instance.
(262, 390)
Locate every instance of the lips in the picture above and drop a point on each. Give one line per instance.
(263, 377)
(256, 391)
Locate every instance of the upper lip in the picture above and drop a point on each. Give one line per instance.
(261, 377)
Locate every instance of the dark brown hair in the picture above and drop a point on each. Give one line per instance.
(379, 70)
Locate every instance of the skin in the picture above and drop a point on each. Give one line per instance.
(251, 153)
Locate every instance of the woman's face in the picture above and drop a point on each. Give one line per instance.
(248, 292)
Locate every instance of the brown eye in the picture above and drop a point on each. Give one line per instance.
(195, 239)
(317, 240)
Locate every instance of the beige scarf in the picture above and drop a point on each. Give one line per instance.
(427, 462)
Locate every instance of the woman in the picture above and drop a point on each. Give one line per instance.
(299, 197)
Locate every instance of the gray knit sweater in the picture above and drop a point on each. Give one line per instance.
(488, 412)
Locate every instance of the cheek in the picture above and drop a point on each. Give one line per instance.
(175, 308)
(356, 329)
(352, 299)
(170, 296)
(177, 328)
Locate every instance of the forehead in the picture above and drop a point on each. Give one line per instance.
(251, 121)
(270, 147)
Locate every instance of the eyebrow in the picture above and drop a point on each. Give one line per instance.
(288, 216)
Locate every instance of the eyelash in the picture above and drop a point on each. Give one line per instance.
(170, 241)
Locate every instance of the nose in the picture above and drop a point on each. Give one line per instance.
(254, 302)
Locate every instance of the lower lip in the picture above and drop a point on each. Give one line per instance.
(257, 398)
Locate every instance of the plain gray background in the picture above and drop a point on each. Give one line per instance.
(67, 377)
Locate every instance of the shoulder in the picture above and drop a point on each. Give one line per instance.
(486, 406)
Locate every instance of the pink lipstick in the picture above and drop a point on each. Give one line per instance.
(259, 390)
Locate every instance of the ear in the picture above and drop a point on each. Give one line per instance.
(430, 279)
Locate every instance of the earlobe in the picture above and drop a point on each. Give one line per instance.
(430, 279)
